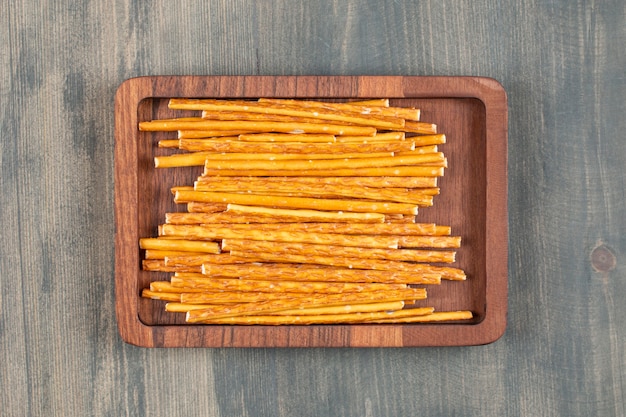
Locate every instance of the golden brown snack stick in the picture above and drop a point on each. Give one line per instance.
(419, 150)
(162, 254)
(221, 135)
(303, 272)
(400, 171)
(277, 320)
(358, 206)
(234, 298)
(420, 197)
(420, 127)
(179, 245)
(197, 207)
(429, 241)
(449, 273)
(372, 182)
(379, 229)
(301, 215)
(333, 115)
(198, 260)
(428, 140)
(214, 284)
(158, 265)
(165, 296)
(287, 137)
(311, 300)
(434, 317)
(257, 126)
(365, 107)
(328, 164)
(166, 286)
(379, 137)
(180, 160)
(409, 255)
(246, 115)
(208, 233)
(213, 145)
(345, 309)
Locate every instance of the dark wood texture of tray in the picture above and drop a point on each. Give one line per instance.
(471, 111)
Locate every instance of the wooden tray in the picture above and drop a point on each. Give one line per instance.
(471, 111)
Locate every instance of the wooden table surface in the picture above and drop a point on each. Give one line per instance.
(562, 64)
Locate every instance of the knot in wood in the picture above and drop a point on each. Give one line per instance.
(603, 259)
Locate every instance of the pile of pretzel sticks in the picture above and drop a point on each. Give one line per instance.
(305, 213)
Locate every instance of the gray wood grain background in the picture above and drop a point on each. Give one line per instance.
(563, 65)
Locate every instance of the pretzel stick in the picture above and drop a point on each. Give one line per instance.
(429, 241)
(287, 137)
(359, 263)
(359, 206)
(420, 127)
(209, 233)
(305, 319)
(303, 272)
(428, 140)
(256, 126)
(214, 284)
(166, 286)
(380, 229)
(179, 245)
(400, 171)
(162, 254)
(212, 145)
(197, 207)
(158, 265)
(165, 296)
(291, 215)
(344, 309)
(231, 219)
(420, 197)
(312, 300)
(234, 298)
(329, 164)
(434, 317)
(168, 143)
(379, 137)
(408, 255)
(360, 107)
(222, 135)
(372, 182)
(378, 121)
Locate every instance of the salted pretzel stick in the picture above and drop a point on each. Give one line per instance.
(179, 245)
(397, 317)
(420, 127)
(345, 309)
(400, 171)
(326, 164)
(378, 121)
(199, 158)
(378, 229)
(157, 295)
(158, 265)
(408, 255)
(232, 219)
(168, 143)
(212, 145)
(449, 273)
(428, 140)
(166, 286)
(276, 319)
(214, 284)
(313, 300)
(359, 206)
(256, 126)
(420, 197)
(372, 182)
(210, 233)
(197, 207)
(223, 135)
(302, 215)
(162, 254)
(287, 137)
(379, 137)
(303, 272)
(360, 107)
(429, 241)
